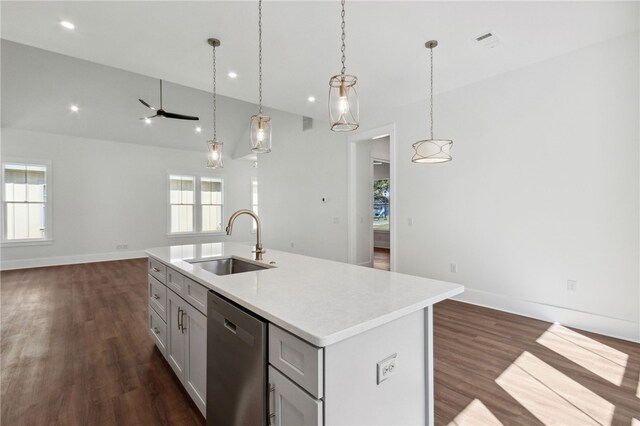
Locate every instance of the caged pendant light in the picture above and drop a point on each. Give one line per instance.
(214, 160)
(260, 124)
(432, 150)
(343, 95)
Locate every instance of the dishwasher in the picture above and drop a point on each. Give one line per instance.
(236, 365)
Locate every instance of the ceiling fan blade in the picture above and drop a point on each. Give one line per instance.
(180, 116)
(147, 118)
(146, 104)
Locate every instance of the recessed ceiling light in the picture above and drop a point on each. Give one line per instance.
(232, 74)
(68, 25)
(147, 120)
(198, 129)
(74, 108)
(311, 98)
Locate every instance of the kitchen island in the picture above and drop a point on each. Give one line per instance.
(346, 344)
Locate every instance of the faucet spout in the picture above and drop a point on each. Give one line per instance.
(258, 251)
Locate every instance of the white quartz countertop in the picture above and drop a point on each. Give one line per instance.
(320, 301)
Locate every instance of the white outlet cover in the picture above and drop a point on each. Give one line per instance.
(386, 368)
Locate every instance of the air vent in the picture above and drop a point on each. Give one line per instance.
(487, 39)
(307, 123)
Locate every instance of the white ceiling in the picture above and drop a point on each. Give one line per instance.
(385, 42)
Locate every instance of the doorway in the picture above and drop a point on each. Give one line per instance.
(371, 212)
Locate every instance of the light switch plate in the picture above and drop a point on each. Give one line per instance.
(387, 368)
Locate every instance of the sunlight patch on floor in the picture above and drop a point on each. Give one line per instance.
(551, 396)
(600, 359)
(635, 422)
(475, 414)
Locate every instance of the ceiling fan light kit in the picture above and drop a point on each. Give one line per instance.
(260, 124)
(432, 150)
(162, 113)
(214, 146)
(343, 96)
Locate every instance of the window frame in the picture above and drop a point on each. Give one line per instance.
(197, 204)
(48, 211)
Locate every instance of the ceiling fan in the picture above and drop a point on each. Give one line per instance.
(162, 113)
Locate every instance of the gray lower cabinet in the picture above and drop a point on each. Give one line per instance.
(187, 347)
(290, 405)
(179, 329)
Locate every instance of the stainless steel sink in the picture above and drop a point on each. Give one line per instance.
(229, 265)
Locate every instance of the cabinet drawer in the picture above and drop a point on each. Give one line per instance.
(175, 281)
(158, 331)
(289, 405)
(158, 297)
(297, 359)
(195, 294)
(158, 270)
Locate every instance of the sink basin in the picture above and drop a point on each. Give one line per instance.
(229, 265)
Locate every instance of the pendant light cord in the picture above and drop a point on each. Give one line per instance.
(343, 48)
(431, 100)
(260, 56)
(215, 135)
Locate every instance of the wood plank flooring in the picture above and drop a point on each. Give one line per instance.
(75, 351)
(381, 258)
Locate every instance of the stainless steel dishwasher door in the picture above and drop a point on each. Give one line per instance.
(236, 365)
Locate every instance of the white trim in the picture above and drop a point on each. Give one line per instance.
(609, 326)
(351, 203)
(195, 234)
(6, 265)
(27, 243)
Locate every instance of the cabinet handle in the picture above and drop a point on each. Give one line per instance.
(183, 327)
(155, 330)
(271, 416)
(179, 318)
(155, 296)
(156, 270)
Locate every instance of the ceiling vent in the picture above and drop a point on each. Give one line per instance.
(487, 40)
(307, 123)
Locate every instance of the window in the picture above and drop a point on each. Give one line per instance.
(381, 205)
(26, 204)
(211, 196)
(195, 204)
(254, 200)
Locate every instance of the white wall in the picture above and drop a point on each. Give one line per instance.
(108, 193)
(543, 188)
(302, 168)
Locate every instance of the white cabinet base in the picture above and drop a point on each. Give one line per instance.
(290, 405)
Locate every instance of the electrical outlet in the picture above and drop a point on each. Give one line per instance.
(572, 285)
(387, 368)
(336, 220)
(454, 267)
(409, 222)
(292, 245)
(122, 246)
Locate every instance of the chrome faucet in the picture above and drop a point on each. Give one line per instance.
(258, 251)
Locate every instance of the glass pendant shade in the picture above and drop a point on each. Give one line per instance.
(260, 134)
(344, 109)
(432, 151)
(214, 159)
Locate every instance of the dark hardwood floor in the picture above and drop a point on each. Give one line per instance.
(75, 351)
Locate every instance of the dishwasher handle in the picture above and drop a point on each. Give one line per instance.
(230, 326)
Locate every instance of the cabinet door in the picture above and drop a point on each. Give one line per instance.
(195, 377)
(176, 352)
(289, 404)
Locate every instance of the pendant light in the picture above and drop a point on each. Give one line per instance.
(260, 124)
(214, 160)
(343, 96)
(432, 150)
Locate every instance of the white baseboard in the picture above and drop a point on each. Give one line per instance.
(614, 327)
(6, 265)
